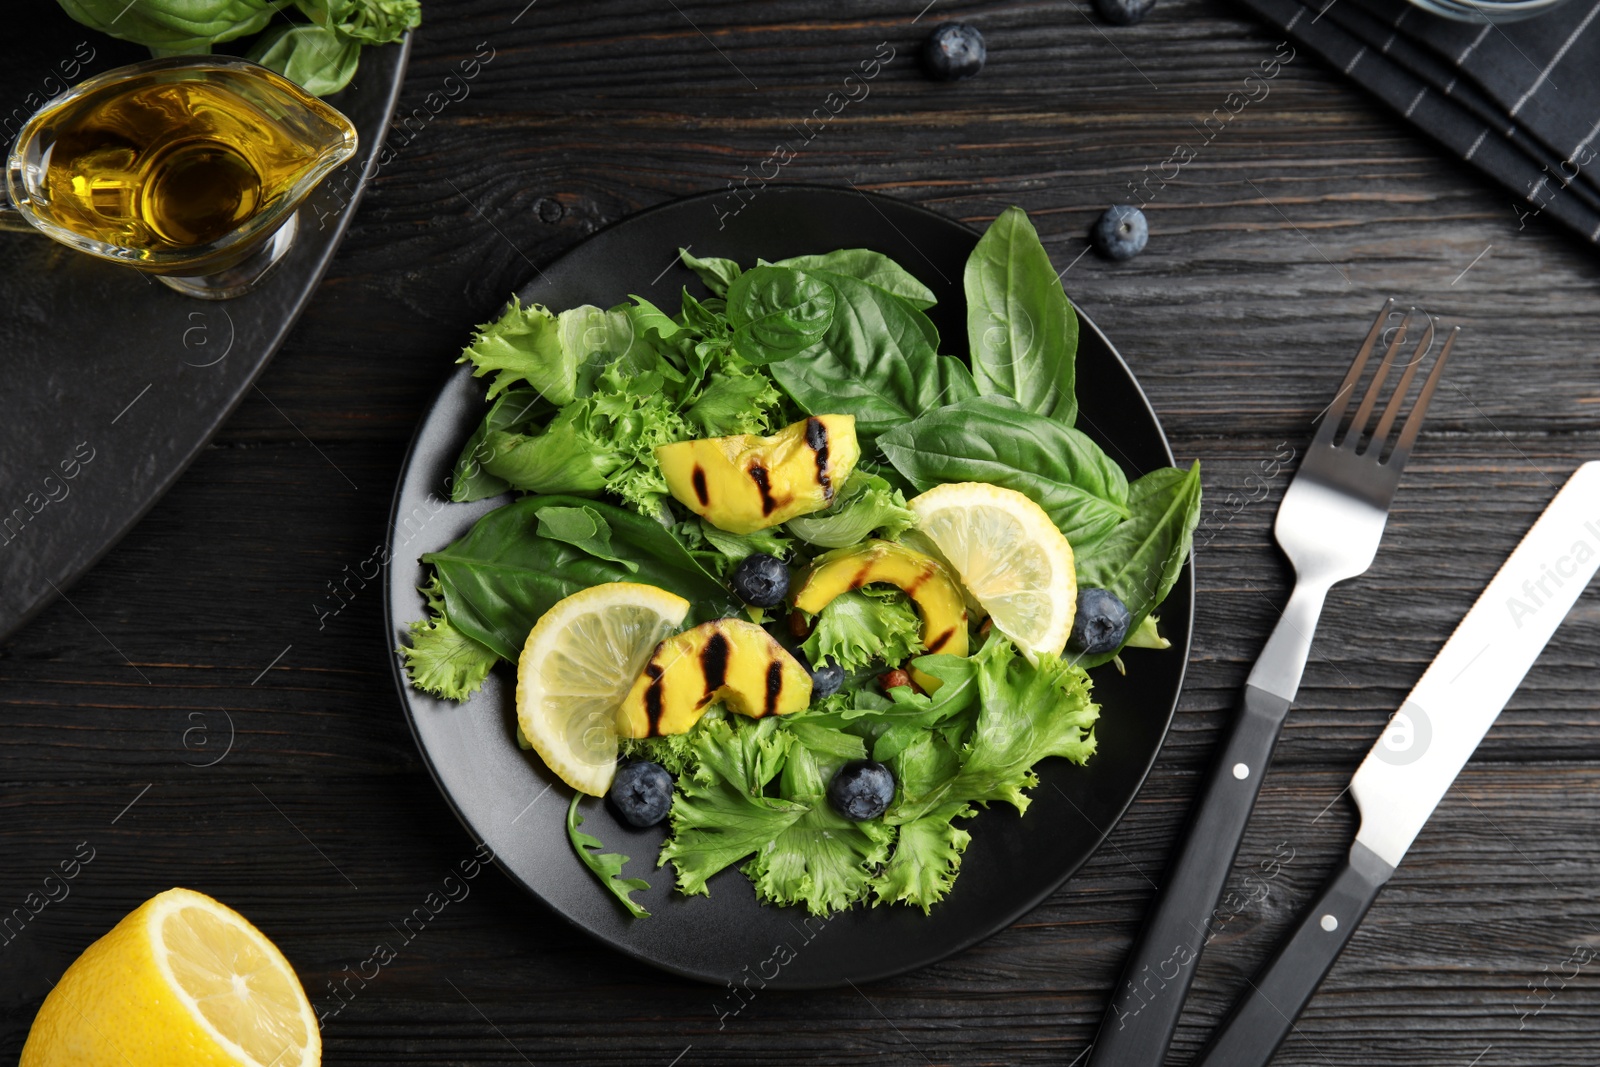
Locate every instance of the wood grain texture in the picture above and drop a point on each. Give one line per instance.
(1270, 251)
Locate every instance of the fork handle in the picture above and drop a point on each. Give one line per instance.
(1144, 1010)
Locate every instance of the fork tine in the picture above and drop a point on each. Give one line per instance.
(1334, 412)
(1358, 423)
(1413, 426)
(1391, 411)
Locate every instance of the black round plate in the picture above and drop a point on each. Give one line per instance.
(509, 800)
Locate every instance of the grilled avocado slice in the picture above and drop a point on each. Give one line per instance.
(731, 660)
(925, 580)
(746, 483)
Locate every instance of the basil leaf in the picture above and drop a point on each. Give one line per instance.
(469, 481)
(316, 58)
(930, 332)
(991, 439)
(1143, 557)
(717, 274)
(874, 363)
(874, 268)
(174, 28)
(777, 312)
(583, 528)
(502, 575)
(1021, 328)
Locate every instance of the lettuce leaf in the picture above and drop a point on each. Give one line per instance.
(441, 659)
(858, 629)
(721, 813)
(868, 507)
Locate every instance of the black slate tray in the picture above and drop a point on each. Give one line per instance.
(111, 383)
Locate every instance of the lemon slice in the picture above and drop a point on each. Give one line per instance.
(181, 979)
(1010, 557)
(579, 661)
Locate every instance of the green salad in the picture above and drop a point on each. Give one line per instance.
(781, 574)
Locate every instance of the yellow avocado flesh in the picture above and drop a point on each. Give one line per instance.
(730, 660)
(924, 579)
(746, 483)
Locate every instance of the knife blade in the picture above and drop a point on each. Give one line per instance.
(1422, 750)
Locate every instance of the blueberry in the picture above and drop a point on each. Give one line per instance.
(760, 580)
(826, 679)
(642, 792)
(1124, 12)
(954, 51)
(1121, 232)
(861, 790)
(1101, 623)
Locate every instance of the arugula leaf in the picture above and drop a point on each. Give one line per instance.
(367, 21)
(926, 859)
(605, 865)
(858, 630)
(583, 527)
(441, 659)
(874, 363)
(777, 312)
(735, 547)
(722, 813)
(1021, 328)
(511, 409)
(869, 506)
(821, 860)
(501, 576)
(874, 268)
(1143, 557)
(991, 439)
(717, 274)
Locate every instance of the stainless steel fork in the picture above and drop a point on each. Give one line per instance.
(1329, 525)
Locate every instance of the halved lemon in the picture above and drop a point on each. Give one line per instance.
(1009, 555)
(181, 979)
(579, 661)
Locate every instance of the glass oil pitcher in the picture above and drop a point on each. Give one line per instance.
(189, 168)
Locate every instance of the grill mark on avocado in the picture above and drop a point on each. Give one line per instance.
(758, 474)
(861, 578)
(698, 478)
(714, 666)
(817, 441)
(652, 698)
(943, 639)
(912, 586)
(774, 686)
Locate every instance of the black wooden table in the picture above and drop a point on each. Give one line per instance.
(199, 710)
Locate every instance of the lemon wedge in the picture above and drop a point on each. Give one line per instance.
(181, 979)
(579, 661)
(1009, 556)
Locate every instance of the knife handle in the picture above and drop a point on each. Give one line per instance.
(1145, 1007)
(1265, 1014)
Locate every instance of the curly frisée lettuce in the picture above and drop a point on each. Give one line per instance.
(859, 628)
(441, 659)
(753, 793)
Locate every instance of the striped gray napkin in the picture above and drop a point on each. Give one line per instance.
(1519, 101)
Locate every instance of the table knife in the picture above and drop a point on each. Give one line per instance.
(1421, 751)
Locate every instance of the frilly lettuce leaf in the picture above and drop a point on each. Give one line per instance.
(441, 659)
(868, 504)
(858, 629)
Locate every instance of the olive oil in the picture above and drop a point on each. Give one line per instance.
(167, 166)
